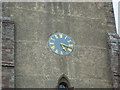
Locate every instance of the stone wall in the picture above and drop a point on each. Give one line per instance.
(7, 53)
(87, 23)
(119, 18)
(114, 45)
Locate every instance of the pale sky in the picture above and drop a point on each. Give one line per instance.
(115, 5)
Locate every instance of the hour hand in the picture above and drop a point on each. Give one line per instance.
(63, 47)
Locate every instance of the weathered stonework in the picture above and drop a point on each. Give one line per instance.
(114, 49)
(7, 53)
(87, 23)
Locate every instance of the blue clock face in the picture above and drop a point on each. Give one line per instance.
(61, 44)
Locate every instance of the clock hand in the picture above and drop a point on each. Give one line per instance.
(64, 48)
(65, 45)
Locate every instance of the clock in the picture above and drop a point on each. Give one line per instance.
(61, 44)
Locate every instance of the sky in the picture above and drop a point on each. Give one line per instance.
(115, 6)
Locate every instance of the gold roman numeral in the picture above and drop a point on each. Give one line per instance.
(66, 37)
(69, 41)
(56, 51)
(56, 36)
(52, 43)
(70, 45)
(53, 39)
(53, 47)
(60, 35)
(61, 53)
(69, 49)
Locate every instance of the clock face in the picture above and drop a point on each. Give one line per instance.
(61, 44)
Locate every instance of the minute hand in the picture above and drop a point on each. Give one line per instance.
(65, 45)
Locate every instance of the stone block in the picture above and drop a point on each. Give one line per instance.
(26, 5)
(8, 77)
(8, 41)
(90, 82)
(30, 81)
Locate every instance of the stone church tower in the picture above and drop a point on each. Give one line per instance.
(35, 66)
